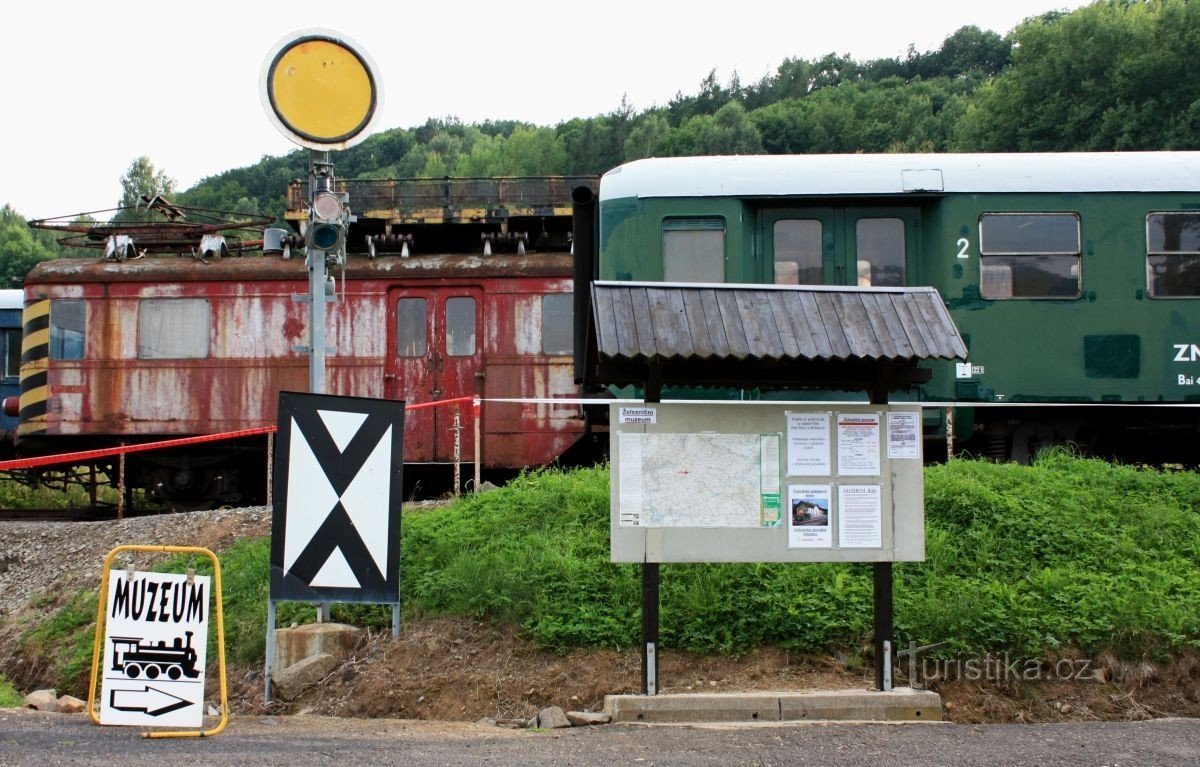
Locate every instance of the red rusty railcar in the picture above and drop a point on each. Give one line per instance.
(163, 347)
(167, 347)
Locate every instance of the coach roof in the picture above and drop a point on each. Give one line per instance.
(881, 174)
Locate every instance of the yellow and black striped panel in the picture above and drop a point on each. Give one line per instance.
(35, 362)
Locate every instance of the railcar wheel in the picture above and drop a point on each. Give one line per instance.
(152, 672)
(133, 670)
(174, 672)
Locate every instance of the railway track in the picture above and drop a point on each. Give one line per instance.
(76, 514)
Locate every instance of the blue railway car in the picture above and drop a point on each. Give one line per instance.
(11, 302)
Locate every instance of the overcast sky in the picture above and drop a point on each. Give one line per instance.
(90, 87)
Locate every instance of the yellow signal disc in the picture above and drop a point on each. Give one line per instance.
(321, 90)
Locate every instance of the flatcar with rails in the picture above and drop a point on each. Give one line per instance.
(1073, 278)
(449, 290)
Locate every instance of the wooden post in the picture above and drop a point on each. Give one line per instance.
(882, 576)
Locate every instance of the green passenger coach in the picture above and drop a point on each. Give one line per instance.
(1073, 278)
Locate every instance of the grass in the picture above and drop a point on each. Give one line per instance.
(9, 697)
(1067, 554)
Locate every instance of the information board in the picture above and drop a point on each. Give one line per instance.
(766, 482)
(155, 646)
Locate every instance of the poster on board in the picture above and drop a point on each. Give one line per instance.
(809, 517)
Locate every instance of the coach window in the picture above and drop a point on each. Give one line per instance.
(410, 327)
(1029, 255)
(174, 328)
(460, 326)
(12, 348)
(68, 324)
(880, 249)
(694, 250)
(1173, 254)
(558, 311)
(798, 252)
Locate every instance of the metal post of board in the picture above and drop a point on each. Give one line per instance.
(396, 621)
(650, 583)
(883, 625)
(270, 662)
(320, 180)
(882, 581)
(650, 575)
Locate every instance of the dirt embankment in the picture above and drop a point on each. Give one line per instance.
(457, 669)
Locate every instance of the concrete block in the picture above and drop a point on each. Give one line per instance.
(898, 705)
(293, 645)
(700, 707)
(902, 704)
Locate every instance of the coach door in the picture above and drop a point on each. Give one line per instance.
(434, 353)
(864, 246)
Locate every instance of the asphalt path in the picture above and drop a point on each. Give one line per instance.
(38, 739)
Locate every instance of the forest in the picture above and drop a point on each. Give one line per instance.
(1111, 76)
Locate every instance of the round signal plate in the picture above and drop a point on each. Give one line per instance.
(320, 90)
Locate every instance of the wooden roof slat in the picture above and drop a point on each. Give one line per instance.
(647, 343)
(693, 304)
(712, 320)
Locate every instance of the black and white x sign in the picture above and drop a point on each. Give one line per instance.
(335, 532)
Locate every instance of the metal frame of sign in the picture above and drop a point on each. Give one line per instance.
(337, 460)
(102, 614)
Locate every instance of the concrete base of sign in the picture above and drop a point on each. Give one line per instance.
(293, 645)
(899, 705)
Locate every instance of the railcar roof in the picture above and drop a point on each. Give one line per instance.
(884, 174)
(248, 269)
(12, 299)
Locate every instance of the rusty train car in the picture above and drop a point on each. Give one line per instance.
(449, 289)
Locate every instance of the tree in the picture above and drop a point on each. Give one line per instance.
(646, 138)
(20, 248)
(1114, 75)
(142, 180)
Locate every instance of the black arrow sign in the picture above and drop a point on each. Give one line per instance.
(148, 700)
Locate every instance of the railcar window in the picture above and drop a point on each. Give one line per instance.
(410, 327)
(460, 326)
(1029, 255)
(558, 312)
(174, 328)
(1173, 254)
(881, 252)
(798, 252)
(12, 357)
(694, 250)
(68, 326)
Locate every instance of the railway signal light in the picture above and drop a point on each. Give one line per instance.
(327, 223)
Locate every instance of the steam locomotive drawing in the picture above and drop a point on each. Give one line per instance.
(133, 657)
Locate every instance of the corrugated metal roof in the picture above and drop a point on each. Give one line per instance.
(771, 324)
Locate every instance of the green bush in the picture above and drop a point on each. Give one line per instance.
(1065, 555)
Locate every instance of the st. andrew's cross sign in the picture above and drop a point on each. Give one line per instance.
(335, 533)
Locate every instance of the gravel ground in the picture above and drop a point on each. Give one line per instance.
(69, 555)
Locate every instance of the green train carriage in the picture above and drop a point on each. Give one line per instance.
(1072, 277)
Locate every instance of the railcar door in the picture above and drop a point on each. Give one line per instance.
(864, 246)
(434, 353)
